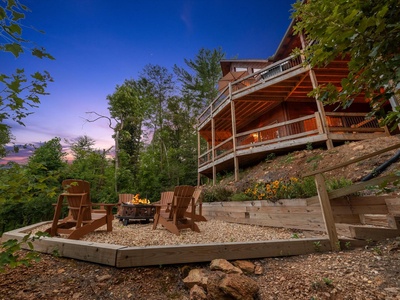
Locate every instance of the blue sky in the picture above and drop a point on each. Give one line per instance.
(97, 44)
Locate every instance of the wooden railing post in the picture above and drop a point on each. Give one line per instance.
(327, 212)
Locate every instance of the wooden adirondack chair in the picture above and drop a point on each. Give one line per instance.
(82, 218)
(198, 203)
(175, 219)
(165, 201)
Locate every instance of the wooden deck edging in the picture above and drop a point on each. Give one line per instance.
(123, 257)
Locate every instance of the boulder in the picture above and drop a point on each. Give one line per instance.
(197, 293)
(221, 264)
(196, 277)
(245, 265)
(239, 287)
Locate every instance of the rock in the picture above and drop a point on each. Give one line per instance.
(239, 287)
(213, 290)
(358, 148)
(103, 278)
(197, 293)
(258, 270)
(196, 277)
(225, 266)
(245, 265)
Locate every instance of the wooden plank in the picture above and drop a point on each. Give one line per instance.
(100, 253)
(377, 220)
(163, 255)
(365, 209)
(359, 200)
(286, 210)
(327, 211)
(373, 233)
(348, 219)
(352, 161)
(394, 222)
(393, 205)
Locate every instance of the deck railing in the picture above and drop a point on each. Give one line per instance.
(352, 123)
(289, 130)
(338, 123)
(293, 129)
(274, 70)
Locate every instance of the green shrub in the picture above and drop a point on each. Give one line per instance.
(240, 197)
(216, 194)
(291, 188)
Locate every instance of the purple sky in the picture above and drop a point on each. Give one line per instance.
(97, 44)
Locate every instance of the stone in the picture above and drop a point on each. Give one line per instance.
(358, 148)
(225, 266)
(197, 293)
(213, 290)
(239, 287)
(258, 270)
(103, 278)
(196, 277)
(245, 265)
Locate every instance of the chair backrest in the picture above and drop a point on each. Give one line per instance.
(73, 191)
(166, 198)
(183, 195)
(197, 196)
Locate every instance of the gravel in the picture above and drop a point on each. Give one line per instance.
(212, 231)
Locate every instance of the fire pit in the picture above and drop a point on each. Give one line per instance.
(136, 212)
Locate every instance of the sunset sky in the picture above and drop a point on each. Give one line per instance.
(97, 44)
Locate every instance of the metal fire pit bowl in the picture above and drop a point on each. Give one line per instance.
(136, 212)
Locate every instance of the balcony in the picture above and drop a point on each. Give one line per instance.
(290, 135)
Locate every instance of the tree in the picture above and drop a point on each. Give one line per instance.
(49, 157)
(368, 32)
(160, 86)
(201, 81)
(81, 146)
(18, 94)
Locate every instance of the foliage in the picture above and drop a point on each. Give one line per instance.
(291, 188)
(48, 157)
(18, 92)
(9, 256)
(216, 194)
(201, 81)
(366, 31)
(240, 197)
(282, 189)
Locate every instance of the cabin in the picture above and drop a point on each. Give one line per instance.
(263, 107)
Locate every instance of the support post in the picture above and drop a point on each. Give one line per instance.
(327, 212)
(233, 116)
(321, 110)
(213, 150)
(198, 156)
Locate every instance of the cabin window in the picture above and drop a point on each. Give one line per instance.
(240, 69)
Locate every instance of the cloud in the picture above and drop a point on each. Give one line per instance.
(186, 15)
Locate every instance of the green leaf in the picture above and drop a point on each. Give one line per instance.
(17, 16)
(383, 11)
(14, 28)
(14, 48)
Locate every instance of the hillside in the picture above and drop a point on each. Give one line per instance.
(298, 163)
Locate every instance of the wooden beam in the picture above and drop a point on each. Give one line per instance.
(327, 212)
(352, 161)
(142, 256)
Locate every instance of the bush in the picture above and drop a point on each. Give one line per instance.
(291, 188)
(216, 194)
(240, 197)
